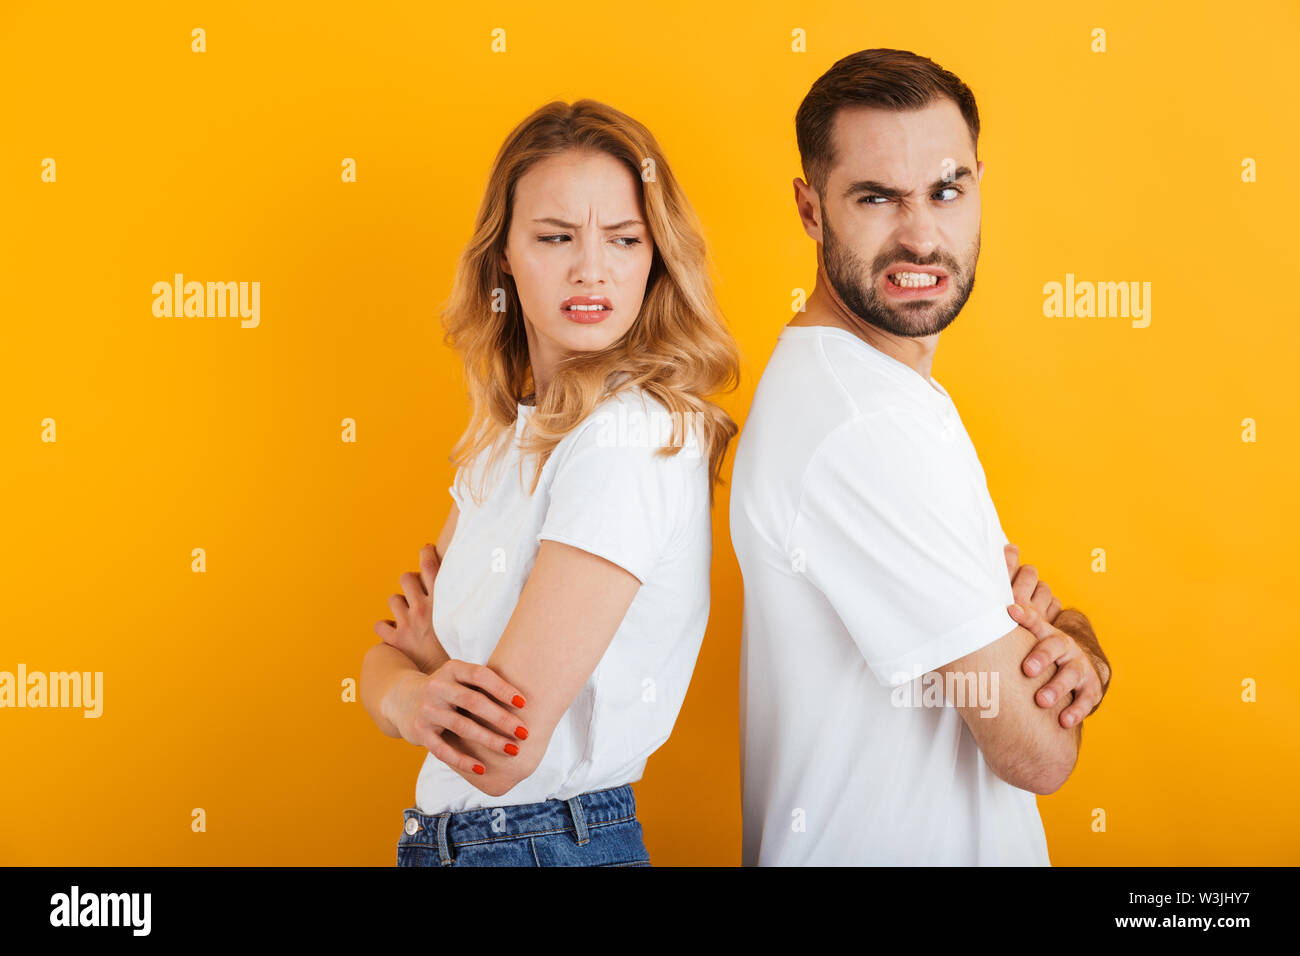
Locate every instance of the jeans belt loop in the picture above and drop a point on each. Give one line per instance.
(579, 820)
(444, 850)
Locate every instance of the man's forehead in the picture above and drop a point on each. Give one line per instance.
(899, 145)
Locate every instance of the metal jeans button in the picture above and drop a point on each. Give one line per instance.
(412, 825)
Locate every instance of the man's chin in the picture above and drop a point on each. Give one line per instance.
(912, 324)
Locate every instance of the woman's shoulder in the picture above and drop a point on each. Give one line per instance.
(626, 400)
(636, 417)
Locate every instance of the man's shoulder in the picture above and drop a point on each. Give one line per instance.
(817, 378)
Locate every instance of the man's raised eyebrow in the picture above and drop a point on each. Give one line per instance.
(871, 186)
(613, 227)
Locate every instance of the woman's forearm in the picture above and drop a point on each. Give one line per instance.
(437, 656)
(382, 669)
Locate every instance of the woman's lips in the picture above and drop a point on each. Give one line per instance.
(586, 318)
(586, 309)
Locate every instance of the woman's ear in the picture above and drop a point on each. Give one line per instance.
(504, 263)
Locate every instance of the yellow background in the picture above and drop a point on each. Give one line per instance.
(222, 689)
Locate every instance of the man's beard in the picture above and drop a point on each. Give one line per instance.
(852, 282)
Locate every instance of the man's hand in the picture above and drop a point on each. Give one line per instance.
(1027, 589)
(1082, 672)
(412, 630)
(1076, 674)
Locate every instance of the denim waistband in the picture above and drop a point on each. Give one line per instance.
(578, 814)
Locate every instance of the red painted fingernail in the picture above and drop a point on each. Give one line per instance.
(478, 768)
(512, 749)
(517, 700)
(521, 733)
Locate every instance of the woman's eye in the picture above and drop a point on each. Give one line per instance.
(625, 241)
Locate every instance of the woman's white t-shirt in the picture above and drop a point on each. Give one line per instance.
(604, 490)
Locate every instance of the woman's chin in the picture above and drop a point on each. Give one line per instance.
(588, 338)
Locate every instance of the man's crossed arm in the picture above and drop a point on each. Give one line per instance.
(1051, 672)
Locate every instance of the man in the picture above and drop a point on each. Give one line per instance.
(901, 703)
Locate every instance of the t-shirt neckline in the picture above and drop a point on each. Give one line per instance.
(522, 412)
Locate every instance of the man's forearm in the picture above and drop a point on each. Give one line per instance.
(1075, 623)
(1032, 750)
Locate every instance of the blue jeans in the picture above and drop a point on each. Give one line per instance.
(598, 828)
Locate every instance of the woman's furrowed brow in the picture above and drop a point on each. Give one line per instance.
(552, 221)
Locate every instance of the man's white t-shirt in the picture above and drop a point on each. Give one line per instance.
(605, 490)
(871, 553)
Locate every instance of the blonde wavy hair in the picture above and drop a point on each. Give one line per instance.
(678, 349)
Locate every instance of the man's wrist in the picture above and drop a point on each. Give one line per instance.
(1075, 623)
(1103, 670)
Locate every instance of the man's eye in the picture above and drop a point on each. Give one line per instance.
(867, 200)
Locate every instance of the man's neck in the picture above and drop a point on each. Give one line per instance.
(825, 308)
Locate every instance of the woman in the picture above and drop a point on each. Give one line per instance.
(572, 575)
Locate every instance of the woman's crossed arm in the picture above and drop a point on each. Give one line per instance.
(570, 607)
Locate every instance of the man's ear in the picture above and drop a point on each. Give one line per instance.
(808, 206)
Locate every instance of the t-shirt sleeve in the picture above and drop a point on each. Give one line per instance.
(892, 528)
(614, 496)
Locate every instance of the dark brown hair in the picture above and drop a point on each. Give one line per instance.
(885, 79)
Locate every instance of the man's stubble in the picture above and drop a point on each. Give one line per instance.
(853, 283)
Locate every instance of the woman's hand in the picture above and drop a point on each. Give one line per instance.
(412, 630)
(460, 697)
